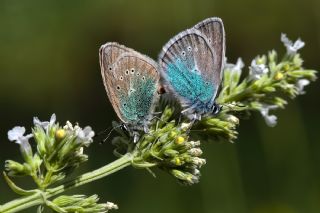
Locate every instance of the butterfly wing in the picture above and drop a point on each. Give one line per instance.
(191, 64)
(186, 65)
(213, 29)
(131, 81)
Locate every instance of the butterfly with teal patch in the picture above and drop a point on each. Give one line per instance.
(131, 81)
(191, 67)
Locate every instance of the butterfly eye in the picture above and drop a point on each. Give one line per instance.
(132, 71)
(138, 74)
(127, 72)
(110, 68)
(183, 53)
(207, 83)
(143, 78)
(189, 48)
(118, 87)
(121, 78)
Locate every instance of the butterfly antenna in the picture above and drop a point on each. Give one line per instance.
(108, 135)
(102, 132)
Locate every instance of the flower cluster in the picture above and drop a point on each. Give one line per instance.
(166, 146)
(59, 150)
(264, 90)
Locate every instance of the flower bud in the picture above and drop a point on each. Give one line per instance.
(170, 152)
(194, 143)
(233, 119)
(286, 67)
(179, 140)
(173, 134)
(198, 161)
(195, 152)
(40, 138)
(15, 169)
(186, 126)
(60, 134)
(176, 161)
(269, 89)
(278, 76)
(26, 151)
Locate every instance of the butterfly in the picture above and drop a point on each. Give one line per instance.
(131, 81)
(191, 67)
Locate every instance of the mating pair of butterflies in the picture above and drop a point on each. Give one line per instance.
(189, 67)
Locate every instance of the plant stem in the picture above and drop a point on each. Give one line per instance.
(39, 198)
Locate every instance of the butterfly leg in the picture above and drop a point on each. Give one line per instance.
(136, 136)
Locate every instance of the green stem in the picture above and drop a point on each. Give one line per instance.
(39, 198)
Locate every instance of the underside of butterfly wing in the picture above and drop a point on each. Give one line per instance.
(131, 81)
(213, 29)
(186, 65)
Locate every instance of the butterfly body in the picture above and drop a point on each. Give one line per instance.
(191, 67)
(131, 81)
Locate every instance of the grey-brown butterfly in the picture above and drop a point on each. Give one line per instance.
(131, 81)
(191, 65)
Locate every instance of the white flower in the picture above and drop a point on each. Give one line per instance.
(85, 134)
(198, 161)
(196, 172)
(110, 206)
(271, 120)
(186, 126)
(68, 126)
(301, 84)
(194, 143)
(44, 124)
(257, 70)
(195, 152)
(237, 67)
(292, 48)
(17, 134)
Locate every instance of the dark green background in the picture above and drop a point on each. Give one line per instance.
(49, 63)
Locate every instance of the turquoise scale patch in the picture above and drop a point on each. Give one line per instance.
(189, 84)
(136, 105)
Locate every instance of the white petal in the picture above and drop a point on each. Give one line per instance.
(36, 121)
(298, 44)
(271, 120)
(285, 40)
(257, 70)
(53, 118)
(301, 84)
(292, 48)
(16, 133)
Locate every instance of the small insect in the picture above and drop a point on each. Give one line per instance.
(131, 81)
(191, 65)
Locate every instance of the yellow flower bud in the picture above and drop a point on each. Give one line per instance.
(278, 76)
(179, 140)
(177, 161)
(60, 134)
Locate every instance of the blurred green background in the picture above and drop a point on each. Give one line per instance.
(49, 63)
